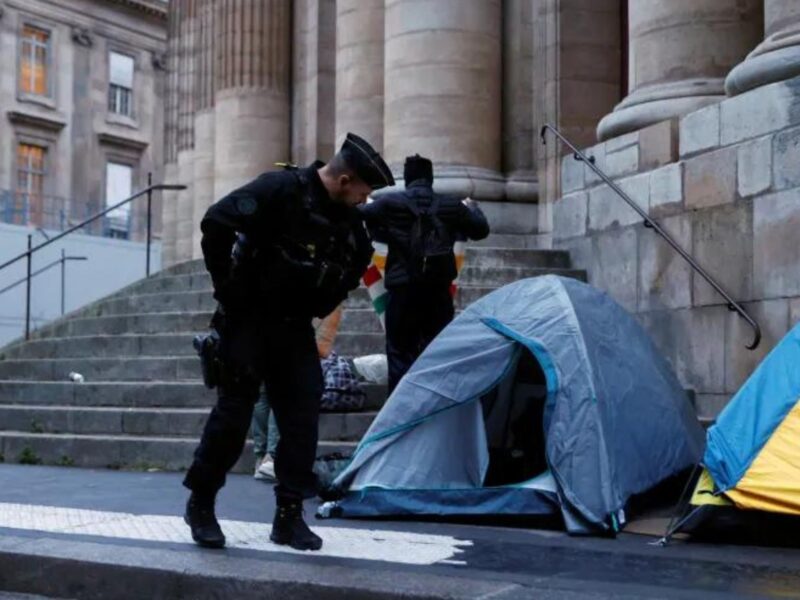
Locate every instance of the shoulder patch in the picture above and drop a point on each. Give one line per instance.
(246, 205)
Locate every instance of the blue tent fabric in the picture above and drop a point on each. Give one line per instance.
(616, 420)
(748, 421)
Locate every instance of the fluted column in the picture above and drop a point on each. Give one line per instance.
(680, 53)
(778, 57)
(442, 90)
(169, 232)
(186, 105)
(252, 100)
(359, 69)
(204, 121)
(519, 132)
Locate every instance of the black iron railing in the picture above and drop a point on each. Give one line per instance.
(28, 254)
(61, 261)
(649, 223)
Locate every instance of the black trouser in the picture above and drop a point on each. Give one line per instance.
(291, 371)
(415, 314)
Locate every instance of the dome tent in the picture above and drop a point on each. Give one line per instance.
(544, 396)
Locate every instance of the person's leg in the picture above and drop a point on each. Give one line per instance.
(402, 336)
(273, 436)
(294, 386)
(221, 445)
(260, 426)
(436, 311)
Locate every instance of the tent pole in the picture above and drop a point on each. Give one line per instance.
(679, 509)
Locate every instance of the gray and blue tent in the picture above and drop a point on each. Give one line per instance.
(543, 397)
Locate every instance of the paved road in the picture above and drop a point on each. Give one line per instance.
(137, 516)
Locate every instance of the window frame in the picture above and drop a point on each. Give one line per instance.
(132, 163)
(20, 141)
(47, 99)
(113, 116)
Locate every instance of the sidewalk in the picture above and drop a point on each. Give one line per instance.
(75, 533)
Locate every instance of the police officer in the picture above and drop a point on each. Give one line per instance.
(420, 228)
(283, 249)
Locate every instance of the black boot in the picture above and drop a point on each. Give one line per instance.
(290, 529)
(203, 522)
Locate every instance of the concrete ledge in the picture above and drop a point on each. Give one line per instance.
(91, 570)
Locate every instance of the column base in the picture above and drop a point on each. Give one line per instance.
(772, 61)
(653, 104)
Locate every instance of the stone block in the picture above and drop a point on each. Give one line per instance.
(658, 145)
(754, 165)
(666, 190)
(692, 341)
(794, 311)
(621, 142)
(786, 159)
(511, 217)
(614, 265)
(572, 175)
(776, 261)
(570, 214)
(580, 251)
(759, 112)
(708, 406)
(622, 162)
(608, 209)
(597, 152)
(722, 241)
(700, 131)
(773, 318)
(710, 179)
(665, 278)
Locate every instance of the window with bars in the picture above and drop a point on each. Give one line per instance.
(34, 61)
(31, 172)
(120, 84)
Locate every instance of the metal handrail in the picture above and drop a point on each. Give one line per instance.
(649, 223)
(31, 250)
(62, 261)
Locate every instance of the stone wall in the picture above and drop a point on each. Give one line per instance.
(724, 181)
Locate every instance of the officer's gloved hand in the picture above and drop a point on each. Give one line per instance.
(326, 304)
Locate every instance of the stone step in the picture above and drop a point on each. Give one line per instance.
(194, 282)
(107, 346)
(141, 324)
(189, 266)
(359, 344)
(466, 295)
(121, 451)
(497, 277)
(488, 257)
(156, 302)
(166, 422)
(506, 240)
(359, 320)
(148, 368)
(139, 394)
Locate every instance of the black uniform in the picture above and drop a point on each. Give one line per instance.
(297, 256)
(416, 311)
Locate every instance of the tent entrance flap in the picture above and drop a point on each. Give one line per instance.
(513, 413)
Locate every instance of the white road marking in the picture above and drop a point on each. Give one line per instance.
(364, 544)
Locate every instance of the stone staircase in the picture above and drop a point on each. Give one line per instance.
(142, 404)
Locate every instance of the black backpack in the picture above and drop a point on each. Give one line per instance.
(431, 258)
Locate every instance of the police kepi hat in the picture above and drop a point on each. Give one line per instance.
(366, 162)
(417, 167)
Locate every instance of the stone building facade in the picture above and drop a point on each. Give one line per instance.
(693, 102)
(81, 95)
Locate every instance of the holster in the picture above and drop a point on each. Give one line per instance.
(207, 347)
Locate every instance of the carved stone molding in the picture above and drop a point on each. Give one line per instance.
(82, 37)
(45, 122)
(159, 61)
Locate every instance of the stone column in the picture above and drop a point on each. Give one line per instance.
(169, 232)
(359, 70)
(186, 96)
(442, 89)
(778, 57)
(519, 131)
(204, 122)
(252, 100)
(680, 53)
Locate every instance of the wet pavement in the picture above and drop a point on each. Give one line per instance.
(125, 512)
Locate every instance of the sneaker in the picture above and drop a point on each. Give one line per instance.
(203, 522)
(265, 471)
(256, 474)
(289, 528)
